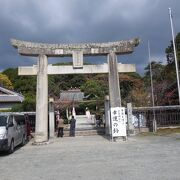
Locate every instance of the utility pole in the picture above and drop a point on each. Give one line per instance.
(152, 90)
(175, 55)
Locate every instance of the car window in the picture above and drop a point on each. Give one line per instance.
(10, 120)
(3, 120)
(20, 119)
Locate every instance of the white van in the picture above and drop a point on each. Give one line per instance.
(12, 131)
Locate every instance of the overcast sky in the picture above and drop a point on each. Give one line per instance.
(72, 21)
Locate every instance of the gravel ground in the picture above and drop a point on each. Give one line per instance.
(95, 158)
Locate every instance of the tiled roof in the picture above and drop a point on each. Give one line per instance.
(10, 96)
(71, 95)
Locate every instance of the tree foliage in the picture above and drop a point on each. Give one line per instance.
(5, 81)
(170, 51)
(58, 83)
(164, 77)
(133, 89)
(94, 87)
(25, 85)
(158, 81)
(22, 84)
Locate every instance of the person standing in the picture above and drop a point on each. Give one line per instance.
(88, 114)
(60, 127)
(72, 126)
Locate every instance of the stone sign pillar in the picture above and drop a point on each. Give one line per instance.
(51, 118)
(41, 127)
(114, 87)
(130, 126)
(107, 116)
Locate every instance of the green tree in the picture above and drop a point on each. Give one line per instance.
(22, 84)
(170, 51)
(170, 72)
(158, 79)
(94, 87)
(133, 89)
(59, 83)
(5, 81)
(25, 85)
(157, 70)
(12, 73)
(170, 67)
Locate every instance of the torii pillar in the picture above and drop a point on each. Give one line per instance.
(42, 100)
(114, 87)
(77, 51)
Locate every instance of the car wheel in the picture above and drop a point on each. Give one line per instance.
(11, 149)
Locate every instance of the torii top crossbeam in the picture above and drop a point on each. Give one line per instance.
(87, 49)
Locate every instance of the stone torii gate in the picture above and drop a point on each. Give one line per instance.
(77, 51)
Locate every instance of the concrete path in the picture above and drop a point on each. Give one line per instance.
(95, 158)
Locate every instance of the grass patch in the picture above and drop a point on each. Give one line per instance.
(146, 134)
(168, 131)
(161, 132)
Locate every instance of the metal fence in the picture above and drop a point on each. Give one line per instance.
(164, 116)
(142, 116)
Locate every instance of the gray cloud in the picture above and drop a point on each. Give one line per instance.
(70, 21)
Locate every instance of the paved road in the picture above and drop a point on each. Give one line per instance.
(95, 158)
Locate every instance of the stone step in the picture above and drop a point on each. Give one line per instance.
(82, 122)
(87, 132)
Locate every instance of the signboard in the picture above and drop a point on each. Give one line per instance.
(118, 121)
